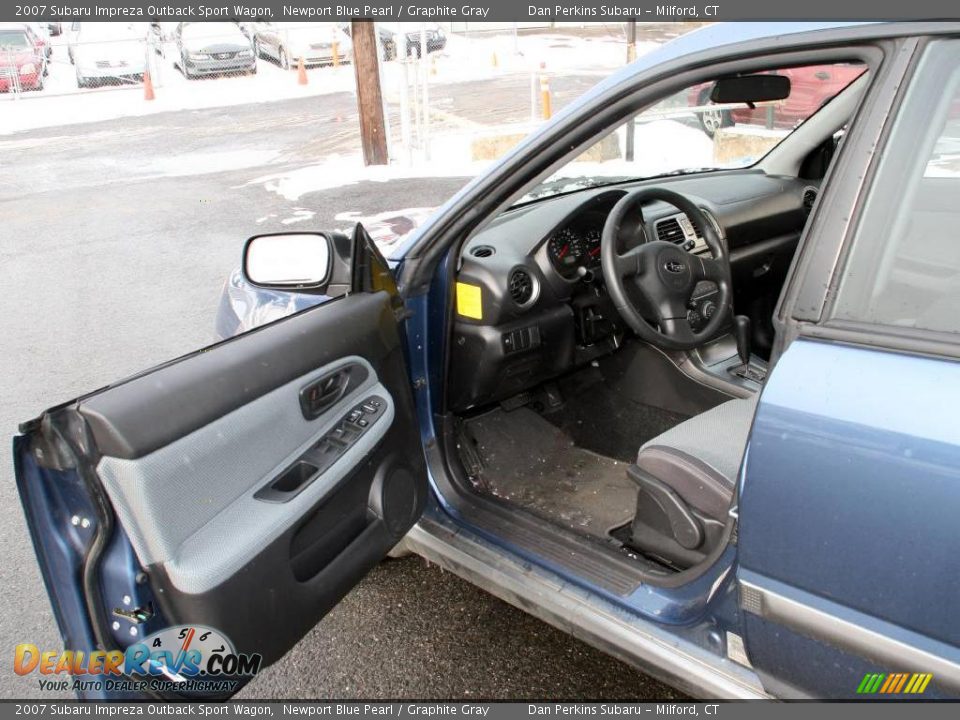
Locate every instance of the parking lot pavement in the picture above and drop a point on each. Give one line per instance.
(115, 245)
(412, 631)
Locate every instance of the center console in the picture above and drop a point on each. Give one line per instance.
(720, 364)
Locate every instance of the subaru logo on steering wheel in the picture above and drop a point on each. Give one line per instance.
(674, 266)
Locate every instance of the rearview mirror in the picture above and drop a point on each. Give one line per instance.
(287, 261)
(750, 89)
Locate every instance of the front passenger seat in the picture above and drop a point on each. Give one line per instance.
(686, 478)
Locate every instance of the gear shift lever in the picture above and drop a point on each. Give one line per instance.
(741, 330)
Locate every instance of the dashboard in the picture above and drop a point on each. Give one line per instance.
(544, 309)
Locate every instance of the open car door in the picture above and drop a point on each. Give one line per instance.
(199, 518)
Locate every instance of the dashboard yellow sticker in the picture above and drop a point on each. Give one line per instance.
(469, 301)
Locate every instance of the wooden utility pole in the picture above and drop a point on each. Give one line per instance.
(373, 134)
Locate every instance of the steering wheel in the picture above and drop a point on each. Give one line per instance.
(664, 274)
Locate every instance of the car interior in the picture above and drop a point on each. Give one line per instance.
(610, 339)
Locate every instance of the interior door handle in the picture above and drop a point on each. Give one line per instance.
(324, 393)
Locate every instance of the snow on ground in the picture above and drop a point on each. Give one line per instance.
(341, 170)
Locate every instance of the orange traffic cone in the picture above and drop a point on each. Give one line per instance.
(147, 86)
(301, 73)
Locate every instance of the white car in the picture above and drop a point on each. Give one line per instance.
(287, 43)
(110, 52)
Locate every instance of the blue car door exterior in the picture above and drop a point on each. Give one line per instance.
(849, 520)
(850, 492)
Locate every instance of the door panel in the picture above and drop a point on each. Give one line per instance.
(223, 467)
(256, 481)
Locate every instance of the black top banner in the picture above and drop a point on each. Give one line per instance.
(481, 11)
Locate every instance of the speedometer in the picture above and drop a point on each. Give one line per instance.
(566, 249)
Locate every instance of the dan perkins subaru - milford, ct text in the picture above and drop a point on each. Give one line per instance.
(619, 11)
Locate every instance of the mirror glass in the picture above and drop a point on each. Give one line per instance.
(751, 89)
(297, 259)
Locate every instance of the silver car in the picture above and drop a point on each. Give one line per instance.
(213, 48)
(315, 43)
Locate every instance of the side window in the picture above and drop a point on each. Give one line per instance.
(904, 266)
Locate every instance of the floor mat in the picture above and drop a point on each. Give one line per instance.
(532, 463)
(600, 419)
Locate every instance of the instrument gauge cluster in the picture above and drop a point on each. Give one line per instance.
(571, 248)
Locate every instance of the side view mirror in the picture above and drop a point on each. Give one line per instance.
(288, 261)
(317, 263)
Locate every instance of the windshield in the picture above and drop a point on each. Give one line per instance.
(687, 132)
(13, 39)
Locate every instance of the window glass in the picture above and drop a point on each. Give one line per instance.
(688, 132)
(904, 266)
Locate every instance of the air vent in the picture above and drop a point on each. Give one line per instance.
(482, 251)
(809, 198)
(521, 287)
(670, 231)
(696, 228)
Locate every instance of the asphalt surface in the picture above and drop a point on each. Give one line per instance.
(115, 239)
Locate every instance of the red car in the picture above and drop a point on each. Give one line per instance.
(22, 61)
(810, 88)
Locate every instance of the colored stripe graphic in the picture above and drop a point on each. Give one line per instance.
(894, 684)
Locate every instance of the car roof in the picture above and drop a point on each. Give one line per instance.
(719, 35)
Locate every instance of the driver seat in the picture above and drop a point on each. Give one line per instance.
(686, 477)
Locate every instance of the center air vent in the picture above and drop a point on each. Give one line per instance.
(809, 198)
(521, 287)
(670, 231)
(482, 251)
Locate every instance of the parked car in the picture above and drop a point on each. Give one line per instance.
(162, 33)
(22, 62)
(391, 35)
(71, 32)
(563, 400)
(40, 37)
(110, 53)
(315, 43)
(811, 87)
(396, 32)
(213, 48)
